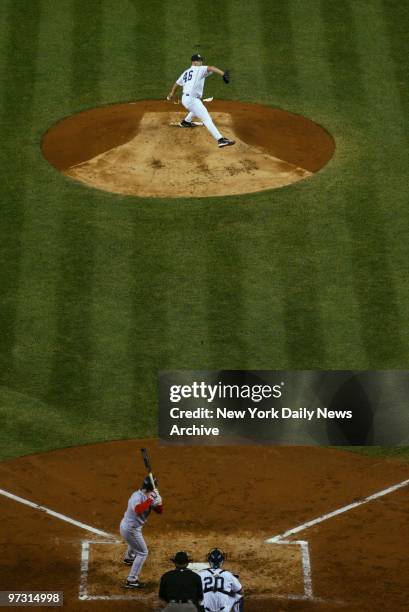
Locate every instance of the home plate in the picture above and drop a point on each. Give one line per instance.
(197, 567)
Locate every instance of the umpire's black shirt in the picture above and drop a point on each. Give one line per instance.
(181, 585)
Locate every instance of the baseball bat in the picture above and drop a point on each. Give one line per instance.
(148, 466)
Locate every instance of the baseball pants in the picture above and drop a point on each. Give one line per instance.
(197, 109)
(137, 549)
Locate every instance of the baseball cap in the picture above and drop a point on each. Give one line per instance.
(181, 558)
(197, 57)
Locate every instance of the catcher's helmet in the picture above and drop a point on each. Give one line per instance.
(216, 558)
(147, 484)
(197, 58)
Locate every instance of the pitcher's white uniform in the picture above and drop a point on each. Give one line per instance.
(221, 590)
(192, 80)
(136, 514)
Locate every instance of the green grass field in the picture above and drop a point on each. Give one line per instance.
(99, 291)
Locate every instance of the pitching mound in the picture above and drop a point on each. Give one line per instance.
(138, 149)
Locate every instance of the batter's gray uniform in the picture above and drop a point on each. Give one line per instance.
(131, 530)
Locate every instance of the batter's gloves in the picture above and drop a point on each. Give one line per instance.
(226, 76)
(156, 498)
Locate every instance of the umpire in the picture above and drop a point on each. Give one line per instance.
(181, 588)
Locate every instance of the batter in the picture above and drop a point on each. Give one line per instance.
(192, 81)
(139, 507)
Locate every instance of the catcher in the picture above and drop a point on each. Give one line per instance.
(192, 82)
(221, 589)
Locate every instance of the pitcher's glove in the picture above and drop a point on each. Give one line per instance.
(226, 76)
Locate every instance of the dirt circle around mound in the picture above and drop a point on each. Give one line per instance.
(232, 497)
(138, 148)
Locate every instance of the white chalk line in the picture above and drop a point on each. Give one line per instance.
(58, 515)
(84, 570)
(325, 517)
(305, 553)
(306, 568)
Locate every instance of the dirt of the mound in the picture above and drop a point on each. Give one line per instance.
(233, 497)
(137, 149)
(164, 160)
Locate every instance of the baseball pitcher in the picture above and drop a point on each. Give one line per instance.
(222, 590)
(139, 508)
(192, 81)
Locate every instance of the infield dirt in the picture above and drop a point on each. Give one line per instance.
(233, 497)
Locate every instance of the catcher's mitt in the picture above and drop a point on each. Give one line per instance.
(226, 76)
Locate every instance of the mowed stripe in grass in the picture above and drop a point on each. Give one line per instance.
(16, 112)
(86, 71)
(356, 200)
(313, 95)
(150, 79)
(223, 288)
(121, 62)
(188, 339)
(277, 55)
(39, 270)
(112, 316)
(125, 309)
(389, 155)
(129, 319)
(377, 284)
(297, 261)
(4, 32)
(69, 383)
(246, 52)
(148, 348)
(396, 23)
(339, 298)
(326, 285)
(252, 280)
